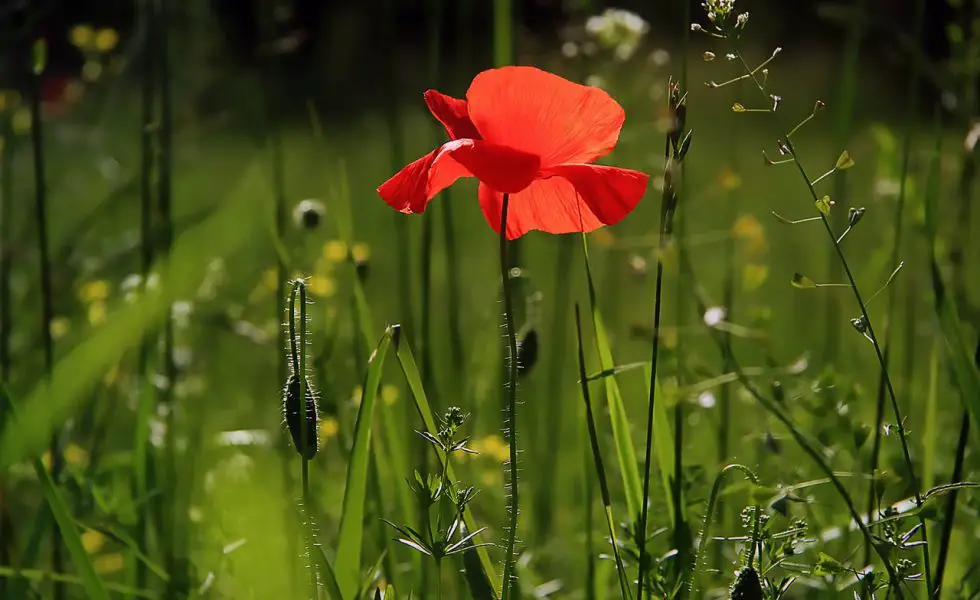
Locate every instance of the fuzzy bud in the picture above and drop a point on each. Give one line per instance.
(291, 411)
(527, 351)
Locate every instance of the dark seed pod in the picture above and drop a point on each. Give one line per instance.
(291, 412)
(308, 214)
(527, 351)
(747, 585)
(361, 267)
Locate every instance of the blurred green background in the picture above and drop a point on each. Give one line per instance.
(267, 107)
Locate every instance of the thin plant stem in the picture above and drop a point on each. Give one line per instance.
(297, 348)
(666, 216)
(910, 111)
(171, 532)
(47, 298)
(6, 199)
(597, 459)
(946, 534)
(852, 283)
(810, 448)
(147, 132)
(509, 579)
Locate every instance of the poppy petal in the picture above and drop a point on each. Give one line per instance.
(576, 198)
(610, 192)
(411, 189)
(452, 113)
(540, 113)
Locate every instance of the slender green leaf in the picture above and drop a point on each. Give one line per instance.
(328, 577)
(90, 580)
(625, 452)
(352, 516)
(663, 445)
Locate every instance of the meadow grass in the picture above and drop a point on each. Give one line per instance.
(170, 252)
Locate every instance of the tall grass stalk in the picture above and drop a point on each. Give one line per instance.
(811, 448)
(509, 581)
(600, 470)
(6, 199)
(959, 241)
(171, 533)
(898, 220)
(47, 293)
(668, 205)
(852, 283)
(148, 108)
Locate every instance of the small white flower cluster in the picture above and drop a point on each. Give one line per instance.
(719, 12)
(618, 30)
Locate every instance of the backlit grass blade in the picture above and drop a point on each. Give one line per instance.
(965, 371)
(625, 452)
(414, 380)
(90, 580)
(39, 576)
(328, 577)
(348, 564)
(663, 445)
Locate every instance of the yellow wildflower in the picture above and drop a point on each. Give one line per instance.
(106, 40)
(335, 250)
(91, 70)
(360, 251)
(60, 326)
(97, 312)
(389, 394)
(328, 429)
(92, 540)
(75, 455)
(109, 563)
(82, 36)
(754, 275)
(728, 179)
(94, 290)
(493, 446)
(322, 286)
(748, 229)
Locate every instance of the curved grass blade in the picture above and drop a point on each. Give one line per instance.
(625, 452)
(39, 575)
(90, 580)
(663, 445)
(352, 516)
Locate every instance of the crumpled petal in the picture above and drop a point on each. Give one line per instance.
(452, 113)
(540, 113)
(573, 198)
(505, 169)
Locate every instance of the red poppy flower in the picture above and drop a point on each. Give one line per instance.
(530, 134)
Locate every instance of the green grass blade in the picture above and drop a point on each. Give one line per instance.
(966, 375)
(90, 580)
(625, 452)
(39, 575)
(414, 380)
(328, 577)
(348, 564)
(663, 445)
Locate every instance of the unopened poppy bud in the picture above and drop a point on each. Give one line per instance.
(747, 585)
(854, 215)
(308, 214)
(291, 411)
(527, 351)
(860, 324)
(361, 267)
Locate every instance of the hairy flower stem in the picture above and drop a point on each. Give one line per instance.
(297, 345)
(810, 448)
(509, 581)
(897, 414)
(47, 298)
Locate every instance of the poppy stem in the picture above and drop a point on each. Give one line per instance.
(511, 429)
